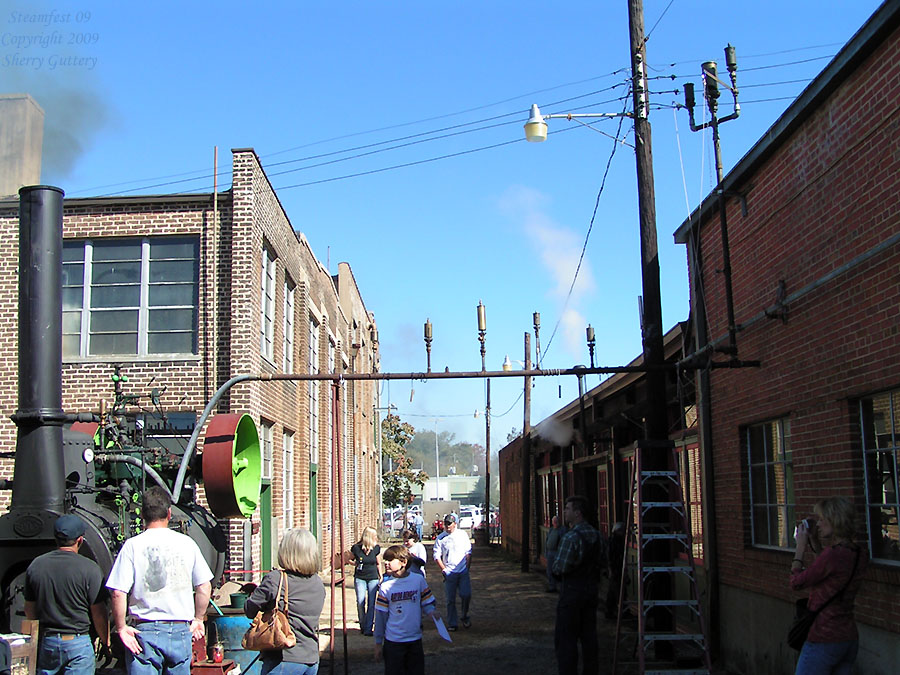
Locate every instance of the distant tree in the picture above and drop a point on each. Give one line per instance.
(397, 483)
(513, 435)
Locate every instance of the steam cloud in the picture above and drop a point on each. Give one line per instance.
(555, 431)
(559, 249)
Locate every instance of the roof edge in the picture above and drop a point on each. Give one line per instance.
(872, 33)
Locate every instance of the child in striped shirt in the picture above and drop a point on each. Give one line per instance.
(402, 599)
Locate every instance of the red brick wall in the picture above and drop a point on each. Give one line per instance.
(231, 253)
(828, 195)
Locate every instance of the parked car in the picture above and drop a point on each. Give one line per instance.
(469, 517)
(393, 521)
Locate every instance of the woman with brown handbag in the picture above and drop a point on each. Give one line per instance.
(298, 591)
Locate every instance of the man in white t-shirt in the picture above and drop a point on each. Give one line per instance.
(162, 581)
(453, 552)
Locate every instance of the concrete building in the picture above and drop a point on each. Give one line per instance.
(188, 291)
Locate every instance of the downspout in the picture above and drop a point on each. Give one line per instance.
(704, 407)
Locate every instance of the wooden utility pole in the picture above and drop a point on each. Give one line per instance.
(655, 449)
(526, 461)
(651, 321)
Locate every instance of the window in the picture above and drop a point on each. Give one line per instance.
(170, 433)
(288, 327)
(689, 469)
(313, 391)
(287, 478)
(130, 296)
(771, 483)
(265, 438)
(879, 418)
(267, 305)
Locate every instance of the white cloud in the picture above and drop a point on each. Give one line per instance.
(558, 248)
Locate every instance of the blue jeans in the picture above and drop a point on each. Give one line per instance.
(72, 657)
(822, 658)
(276, 667)
(365, 604)
(453, 582)
(165, 648)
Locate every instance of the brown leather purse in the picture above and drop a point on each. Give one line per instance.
(271, 629)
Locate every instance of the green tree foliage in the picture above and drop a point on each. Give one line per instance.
(397, 483)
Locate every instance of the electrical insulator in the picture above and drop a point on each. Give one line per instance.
(730, 58)
(710, 78)
(689, 101)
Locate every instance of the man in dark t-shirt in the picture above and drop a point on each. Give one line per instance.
(64, 591)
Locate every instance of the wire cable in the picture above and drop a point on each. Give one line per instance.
(590, 228)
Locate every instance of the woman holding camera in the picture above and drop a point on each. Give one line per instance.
(834, 578)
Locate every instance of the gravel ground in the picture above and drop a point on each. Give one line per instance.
(512, 626)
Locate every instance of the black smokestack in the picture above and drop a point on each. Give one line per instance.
(39, 481)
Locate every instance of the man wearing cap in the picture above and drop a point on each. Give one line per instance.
(452, 553)
(64, 591)
(161, 578)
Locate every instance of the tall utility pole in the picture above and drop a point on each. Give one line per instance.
(651, 322)
(655, 448)
(526, 456)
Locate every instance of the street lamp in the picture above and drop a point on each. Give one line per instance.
(536, 127)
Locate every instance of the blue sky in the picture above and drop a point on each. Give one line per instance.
(137, 95)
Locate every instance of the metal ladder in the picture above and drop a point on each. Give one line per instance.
(670, 527)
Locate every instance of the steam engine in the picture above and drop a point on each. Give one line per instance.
(95, 465)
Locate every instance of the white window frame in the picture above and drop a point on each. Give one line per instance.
(267, 305)
(266, 438)
(313, 363)
(143, 308)
(288, 326)
(287, 477)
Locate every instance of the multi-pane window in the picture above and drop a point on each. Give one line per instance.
(130, 296)
(266, 440)
(170, 432)
(287, 477)
(267, 305)
(689, 469)
(314, 391)
(771, 483)
(287, 364)
(879, 418)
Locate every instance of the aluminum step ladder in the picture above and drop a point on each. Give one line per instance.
(663, 548)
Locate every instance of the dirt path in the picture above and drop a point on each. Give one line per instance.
(512, 626)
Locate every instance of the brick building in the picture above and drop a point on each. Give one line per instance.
(587, 448)
(814, 238)
(187, 291)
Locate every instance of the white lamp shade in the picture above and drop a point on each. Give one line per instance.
(535, 127)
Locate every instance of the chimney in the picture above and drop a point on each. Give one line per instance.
(21, 139)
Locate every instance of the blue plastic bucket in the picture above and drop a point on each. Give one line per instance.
(230, 631)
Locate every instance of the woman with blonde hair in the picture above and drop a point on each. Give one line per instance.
(367, 575)
(298, 557)
(833, 579)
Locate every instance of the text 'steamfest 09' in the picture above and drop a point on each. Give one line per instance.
(46, 40)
